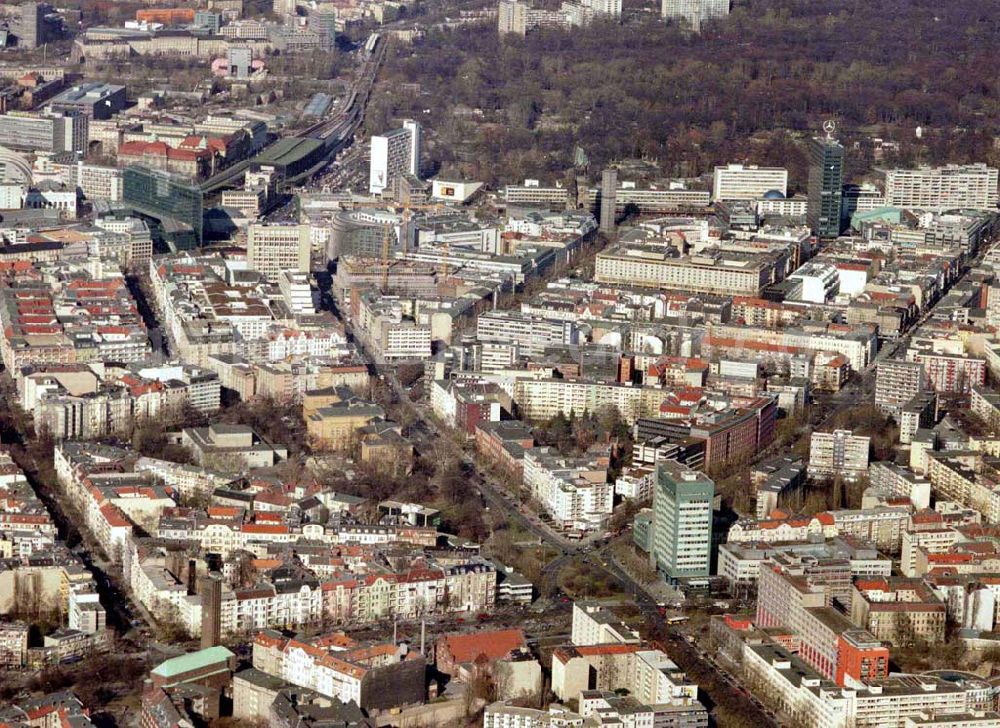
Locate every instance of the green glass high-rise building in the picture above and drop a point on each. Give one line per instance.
(826, 181)
(682, 522)
(174, 202)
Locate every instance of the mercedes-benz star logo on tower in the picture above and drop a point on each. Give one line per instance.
(829, 126)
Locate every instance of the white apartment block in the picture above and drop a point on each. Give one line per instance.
(636, 484)
(581, 504)
(882, 526)
(246, 30)
(188, 480)
(301, 344)
(12, 196)
(402, 340)
(496, 356)
(838, 453)
(297, 292)
(694, 12)
(393, 154)
(916, 545)
(658, 681)
(784, 207)
(532, 334)
(657, 199)
(391, 335)
(740, 565)
(747, 182)
(86, 613)
(542, 399)
(140, 248)
(355, 599)
(903, 482)
(443, 402)
(820, 282)
(900, 701)
(518, 16)
(272, 249)
(859, 346)
(940, 188)
(604, 7)
(575, 492)
(583, 12)
(896, 383)
(204, 391)
(860, 198)
(594, 624)
(599, 707)
(300, 664)
(502, 715)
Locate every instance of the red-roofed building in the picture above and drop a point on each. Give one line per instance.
(899, 610)
(456, 649)
(194, 163)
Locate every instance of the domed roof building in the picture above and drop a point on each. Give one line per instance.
(14, 168)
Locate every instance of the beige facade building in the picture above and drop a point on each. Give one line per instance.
(337, 426)
(709, 272)
(272, 249)
(840, 453)
(897, 610)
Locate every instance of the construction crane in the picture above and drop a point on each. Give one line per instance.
(404, 233)
(408, 214)
(386, 232)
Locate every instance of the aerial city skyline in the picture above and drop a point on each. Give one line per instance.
(499, 363)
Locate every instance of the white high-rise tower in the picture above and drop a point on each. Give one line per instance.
(393, 154)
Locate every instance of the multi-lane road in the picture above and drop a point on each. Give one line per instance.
(426, 434)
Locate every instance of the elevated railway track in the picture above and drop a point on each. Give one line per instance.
(304, 159)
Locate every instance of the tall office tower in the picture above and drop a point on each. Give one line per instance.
(210, 590)
(273, 249)
(393, 154)
(840, 452)
(415, 136)
(682, 521)
(748, 182)
(694, 12)
(73, 131)
(896, 383)
(510, 17)
(942, 188)
(324, 23)
(826, 181)
(609, 191)
(29, 25)
(604, 7)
